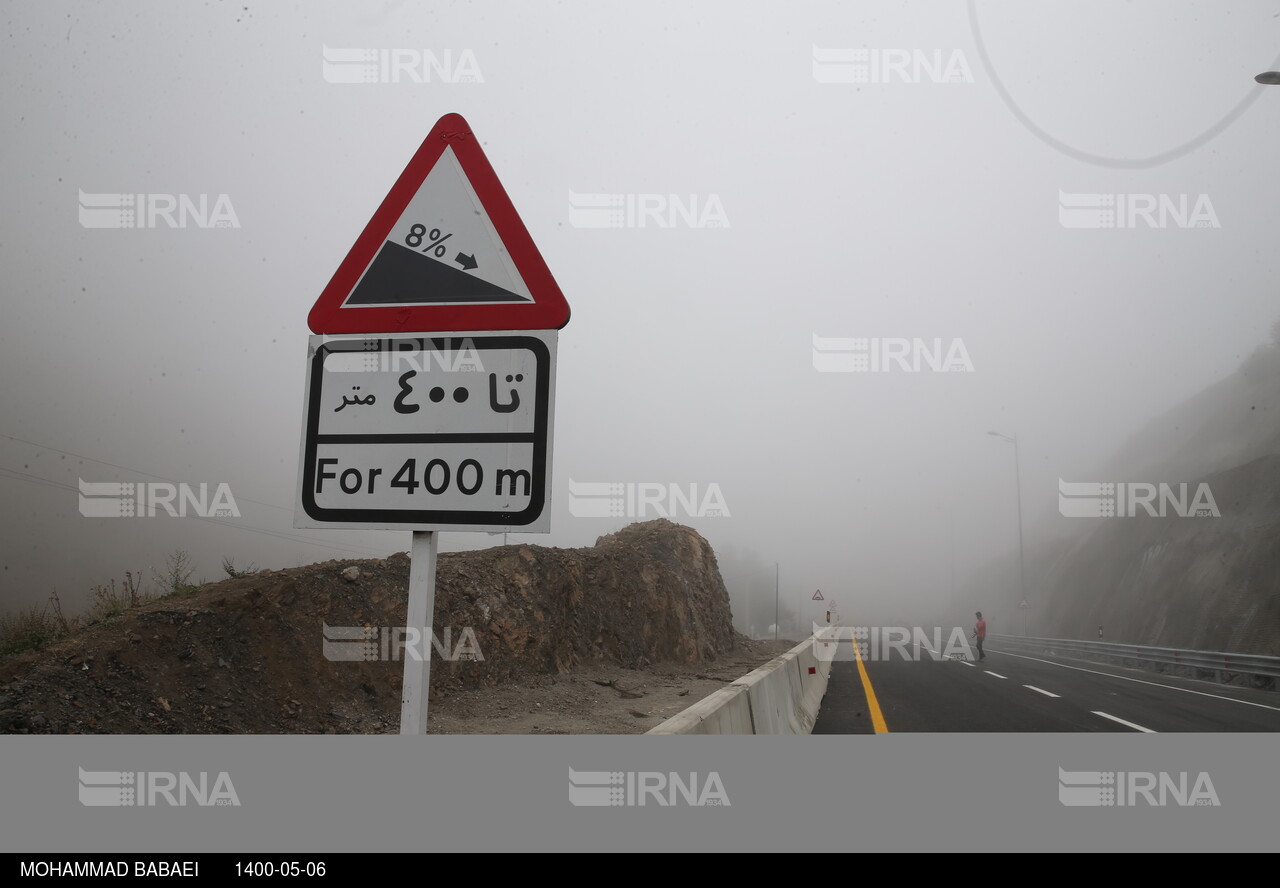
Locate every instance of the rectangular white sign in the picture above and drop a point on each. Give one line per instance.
(440, 431)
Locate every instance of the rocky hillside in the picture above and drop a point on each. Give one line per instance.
(246, 655)
(1229, 424)
(1205, 583)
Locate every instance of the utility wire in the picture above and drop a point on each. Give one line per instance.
(48, 482)
(127, 468)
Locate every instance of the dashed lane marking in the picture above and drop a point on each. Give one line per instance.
(1127, 724)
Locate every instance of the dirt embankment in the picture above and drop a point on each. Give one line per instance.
(644, 609)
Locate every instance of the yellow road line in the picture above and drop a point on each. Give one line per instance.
(877, 718)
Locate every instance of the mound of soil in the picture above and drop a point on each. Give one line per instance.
(248, 655)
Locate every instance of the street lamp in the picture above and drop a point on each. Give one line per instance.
(1022, 561)
(1269, 78)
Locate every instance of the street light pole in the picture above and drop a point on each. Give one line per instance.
(776, 569)
(1022, 559)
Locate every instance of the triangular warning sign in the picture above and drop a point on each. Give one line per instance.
(817, 596)
(445, 251)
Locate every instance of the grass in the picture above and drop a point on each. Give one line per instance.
(108, 603)
(37, 626)
(30, 627)
(40, 625)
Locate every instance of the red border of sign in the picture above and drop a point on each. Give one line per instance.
(548, 311)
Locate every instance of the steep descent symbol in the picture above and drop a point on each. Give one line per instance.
(445, 251)
(400, 276)
(413, 267)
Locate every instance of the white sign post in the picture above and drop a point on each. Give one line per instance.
(422, 605)
(427, 431)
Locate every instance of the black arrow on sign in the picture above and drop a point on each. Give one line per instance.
(466, 261)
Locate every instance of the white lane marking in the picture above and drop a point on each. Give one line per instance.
(1125, 723)
(1154, 684)
(966, 662)
(1040, 691)
(996, 674)
(937, 657)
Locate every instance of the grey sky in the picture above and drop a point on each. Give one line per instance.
(882, 209)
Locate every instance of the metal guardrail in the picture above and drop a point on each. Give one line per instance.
(1265, 668)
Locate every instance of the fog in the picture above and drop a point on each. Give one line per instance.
(899, 209)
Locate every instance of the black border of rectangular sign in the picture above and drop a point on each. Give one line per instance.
(542, 397)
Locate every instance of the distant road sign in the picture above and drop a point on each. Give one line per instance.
(428, 433)
(445, 251)
(817, 596)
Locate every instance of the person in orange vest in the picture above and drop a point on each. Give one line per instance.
(980, 633)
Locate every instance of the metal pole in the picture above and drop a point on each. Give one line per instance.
(775, 600)
(951, 576)
(422, 605)
(1022, 562)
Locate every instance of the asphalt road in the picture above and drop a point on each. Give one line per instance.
(1010, 692)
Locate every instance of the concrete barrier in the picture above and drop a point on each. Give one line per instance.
(814, 672)
(727, 711)
(781, 697)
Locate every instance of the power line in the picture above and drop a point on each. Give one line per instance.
(345, 548)
(249, 527)
(48, 482)
(103, 462)
(36, 480)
